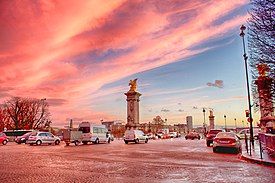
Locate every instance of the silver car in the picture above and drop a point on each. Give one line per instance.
(39, 138)
(227, 140)
(135, 136)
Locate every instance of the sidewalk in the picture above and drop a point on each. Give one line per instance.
(256, 156)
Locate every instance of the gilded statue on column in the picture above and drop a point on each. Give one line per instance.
(133, 85)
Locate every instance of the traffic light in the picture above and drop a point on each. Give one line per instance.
(246, 113)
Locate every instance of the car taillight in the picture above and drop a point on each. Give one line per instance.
(231, 141)
(215, 140)
(134, 136)
(208, 135)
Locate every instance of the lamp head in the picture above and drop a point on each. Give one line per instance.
(242, 28)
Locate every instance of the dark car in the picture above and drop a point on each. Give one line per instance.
(23, 138)
(192, 136)
(211, 135)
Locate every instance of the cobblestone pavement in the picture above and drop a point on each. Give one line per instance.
(172, 160)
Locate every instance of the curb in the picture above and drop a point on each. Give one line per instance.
(258, 161)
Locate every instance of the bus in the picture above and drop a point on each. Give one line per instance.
(12, 134)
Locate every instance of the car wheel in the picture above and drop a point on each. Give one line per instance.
(215, 149)
(146, 141)
(57, 142)
(136, 141)
(38, 142)
(126, 142)
(97, 141)
(208, 144)
(4, 142)
(76, 143)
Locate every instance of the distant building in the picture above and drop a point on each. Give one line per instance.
(182, 128)
(109, 124)
(189, 122)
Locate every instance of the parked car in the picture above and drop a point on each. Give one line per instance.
(3, 138)
(94, 133)
(173, 135)
(192, 136)
(210, 136)
(39, 138)
(227, 140)
(160, 135)
(111, 136)
(150, 136)
(23, 138)
(135, 136)
(242, 133)
(166, 136)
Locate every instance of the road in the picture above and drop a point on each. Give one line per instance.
(172, 160)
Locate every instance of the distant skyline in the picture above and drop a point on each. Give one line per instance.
(187, 55)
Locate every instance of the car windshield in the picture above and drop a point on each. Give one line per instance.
(225, 135)
(33, 133)
(129, 132)
(84, 129)
(214, 131)
(27, 134)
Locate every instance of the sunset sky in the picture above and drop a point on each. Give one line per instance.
(80, 55)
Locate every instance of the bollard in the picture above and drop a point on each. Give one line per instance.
(246, 145)
(261, 151)
(250, 146)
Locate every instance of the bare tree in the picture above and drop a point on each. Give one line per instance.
(26, 113)
(261, 43)
(5, 120)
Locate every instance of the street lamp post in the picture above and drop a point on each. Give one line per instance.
(235, 124)
(247, 85)
(224, 122)
(204, 125)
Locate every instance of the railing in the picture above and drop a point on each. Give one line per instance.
(268, 142)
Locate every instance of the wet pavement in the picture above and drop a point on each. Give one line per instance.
(256, 156)
(171, 160)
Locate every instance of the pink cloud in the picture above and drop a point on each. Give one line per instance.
(41, 44)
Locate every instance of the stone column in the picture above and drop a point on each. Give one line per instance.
(132, 109)
(264, 83)
(211, 120)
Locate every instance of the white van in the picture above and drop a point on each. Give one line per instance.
(135, 136)
(94, 133)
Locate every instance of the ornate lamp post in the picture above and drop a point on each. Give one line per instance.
(204, 126)
(235, 123)
(247, 85)
(224, 122)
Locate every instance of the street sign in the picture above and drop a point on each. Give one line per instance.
(246, 113)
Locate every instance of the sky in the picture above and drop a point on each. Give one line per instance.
(80, 56)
